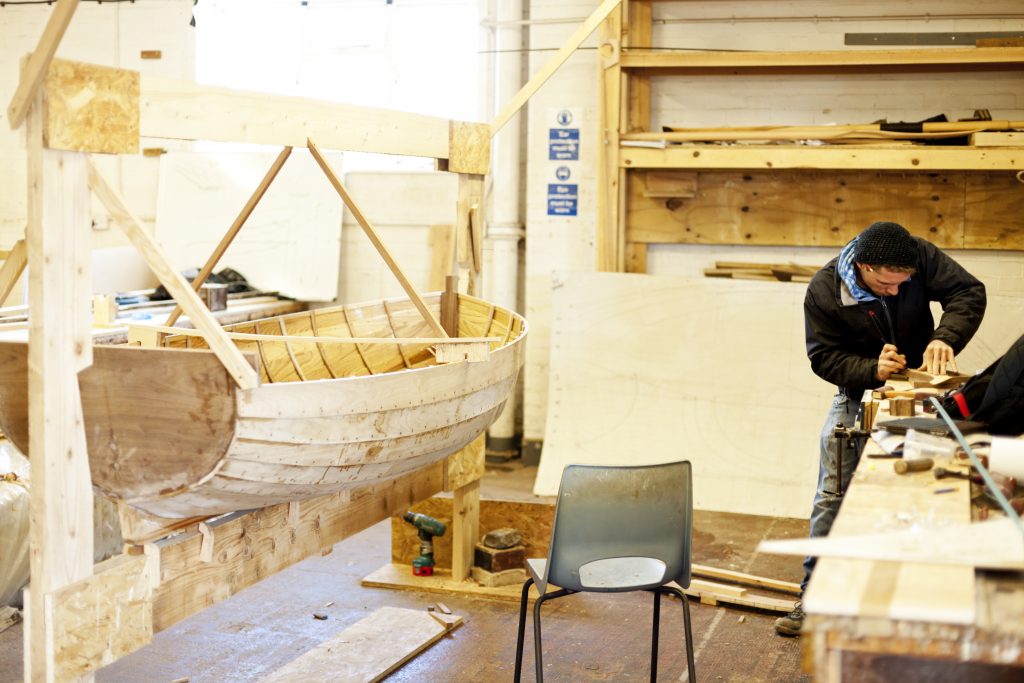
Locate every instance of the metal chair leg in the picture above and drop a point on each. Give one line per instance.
(522, 628)
(691, 670)
(538, 655)
(654, 636)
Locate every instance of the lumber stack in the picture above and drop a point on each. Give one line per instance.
(782, 272)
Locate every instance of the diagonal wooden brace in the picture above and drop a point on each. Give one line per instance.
(216, 337)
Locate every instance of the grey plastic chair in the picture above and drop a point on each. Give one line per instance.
(616, 529)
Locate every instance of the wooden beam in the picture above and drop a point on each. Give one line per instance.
(239, 221)
(564, 52)
(873, 158)
(845, 60)
(34, 71)
(371, 233)
(637, 33)
(200, 315)
(250, 546)
(14, 266)
(298, 339)
(61, 505)
(188, 111)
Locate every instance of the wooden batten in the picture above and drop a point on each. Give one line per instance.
(36, 66)
(90, 108)
(14, 266)
(469, 147)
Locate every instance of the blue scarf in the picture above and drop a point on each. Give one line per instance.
(848, 273)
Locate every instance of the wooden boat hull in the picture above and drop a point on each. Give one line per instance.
(170, 434)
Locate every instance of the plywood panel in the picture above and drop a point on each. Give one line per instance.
(289, 244)
(793, 208)
(994, 211)
(647, 369)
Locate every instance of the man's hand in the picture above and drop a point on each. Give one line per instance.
(936, 355)
(890, 361)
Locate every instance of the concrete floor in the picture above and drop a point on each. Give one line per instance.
(587, 637)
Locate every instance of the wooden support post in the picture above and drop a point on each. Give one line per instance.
(610, 236)
(229, 236)
(61, 536)
(462, 476)
(469, 229)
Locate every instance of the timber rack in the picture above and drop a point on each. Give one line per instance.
(653, 186)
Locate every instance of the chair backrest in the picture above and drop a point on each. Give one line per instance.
(608, 512)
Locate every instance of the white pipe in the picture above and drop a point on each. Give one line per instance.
(505, 229)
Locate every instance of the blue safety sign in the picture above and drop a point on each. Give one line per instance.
(563, 173)
(563, 144)
(562, 199)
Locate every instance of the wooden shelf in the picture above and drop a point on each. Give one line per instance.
(946, 59)
(861, 157)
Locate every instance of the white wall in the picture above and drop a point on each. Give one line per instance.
(567, 243)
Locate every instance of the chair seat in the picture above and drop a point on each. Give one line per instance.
(609, 574)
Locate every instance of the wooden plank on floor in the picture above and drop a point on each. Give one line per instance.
(368, 650)
(400, 577)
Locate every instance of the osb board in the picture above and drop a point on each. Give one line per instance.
(469, 147)
(826, 208)
(290, 243)
(91, 108)
(533, 520)
(368, 650)
(648, 369)
(466, 465)
(103, 618)
(994, 211)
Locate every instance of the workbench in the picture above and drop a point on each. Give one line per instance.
(921, 615)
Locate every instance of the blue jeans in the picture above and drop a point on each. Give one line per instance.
(829, 495)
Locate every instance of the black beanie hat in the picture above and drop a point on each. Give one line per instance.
(886, 244)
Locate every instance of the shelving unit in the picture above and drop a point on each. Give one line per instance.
(971, 180)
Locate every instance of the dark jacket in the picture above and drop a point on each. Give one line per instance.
(843, 343)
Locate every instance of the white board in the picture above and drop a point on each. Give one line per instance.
(648, 369)
(290, 244)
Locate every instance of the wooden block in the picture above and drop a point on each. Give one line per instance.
(996, 139)
(509, 577)
(104, 310)
(150, 54)
(469, 148)
(498, 560)
(901, 407)
(89, 108)
(665, 184)
(368, 650)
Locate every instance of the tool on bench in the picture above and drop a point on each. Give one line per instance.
(844, 433)
(943, 473)
(427, 527)
(915, 465)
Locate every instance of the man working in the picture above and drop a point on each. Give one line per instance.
(867, 317)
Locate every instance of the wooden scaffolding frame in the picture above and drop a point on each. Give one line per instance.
(80, 617)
